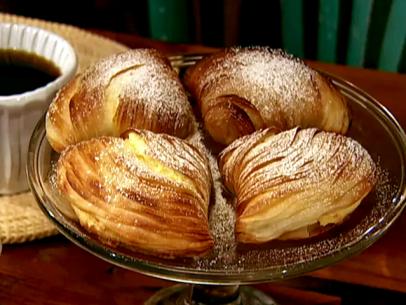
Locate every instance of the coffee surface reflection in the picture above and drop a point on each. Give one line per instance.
(21, 71)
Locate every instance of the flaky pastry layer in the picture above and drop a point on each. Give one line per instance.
(135, 89)
(148, 192)
(240, 90)
(289, 184)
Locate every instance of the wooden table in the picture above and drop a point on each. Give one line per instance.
(54, 271)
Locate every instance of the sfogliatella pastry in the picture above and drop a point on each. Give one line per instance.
(134, 89)
(294, 184)
(241, 90)
(149, 192)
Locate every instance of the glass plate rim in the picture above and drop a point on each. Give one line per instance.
(219, 277)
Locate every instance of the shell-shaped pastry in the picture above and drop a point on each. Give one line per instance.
(148, 192)
(135, 89)
(292, 184)
(240, 90)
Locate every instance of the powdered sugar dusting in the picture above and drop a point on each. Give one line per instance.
(307, 172)
(278, 84)
(227, 256)
(222, 215)
(155, 85)
(133, 89)
(289, 78)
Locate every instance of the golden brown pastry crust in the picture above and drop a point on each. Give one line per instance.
(241, 90)
(134, 89)
(287, 183)
(149, 192)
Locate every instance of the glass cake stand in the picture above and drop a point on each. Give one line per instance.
(215, 279)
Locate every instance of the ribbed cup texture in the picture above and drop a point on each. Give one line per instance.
(19, 113)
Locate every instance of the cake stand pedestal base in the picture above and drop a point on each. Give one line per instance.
(209, 295)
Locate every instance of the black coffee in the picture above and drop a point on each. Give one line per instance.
(22, 71)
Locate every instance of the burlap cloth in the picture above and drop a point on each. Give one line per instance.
(20, 217)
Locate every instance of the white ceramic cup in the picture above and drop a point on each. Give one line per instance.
(20, 112)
